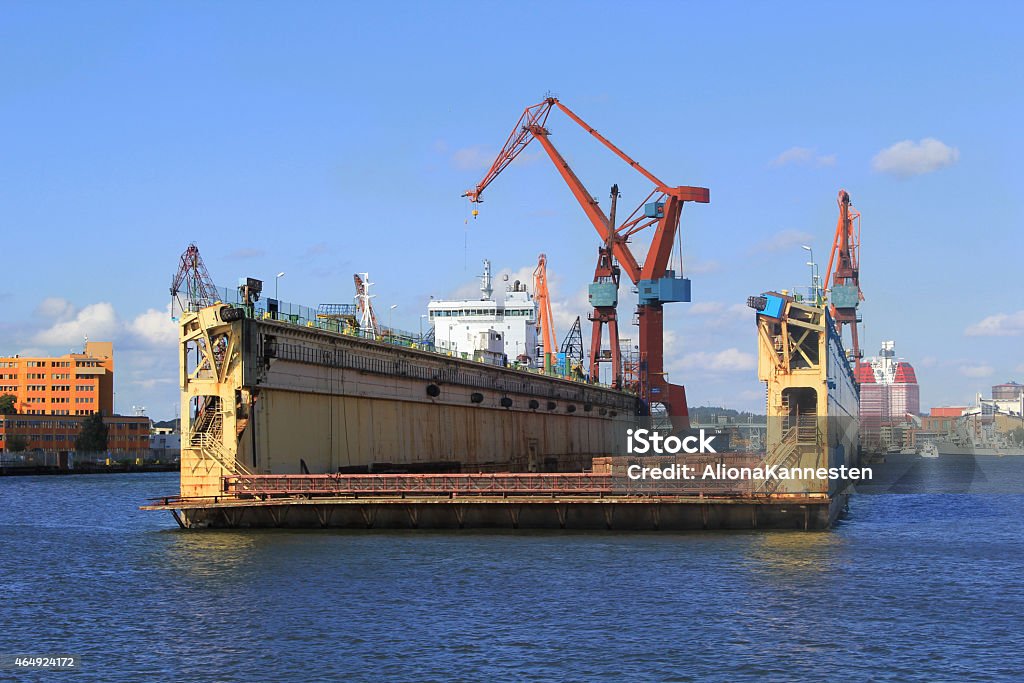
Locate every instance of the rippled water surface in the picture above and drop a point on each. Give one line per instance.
(925, 586)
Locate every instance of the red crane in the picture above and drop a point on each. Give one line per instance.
(193, 281)
(657, 285)
(842, 279)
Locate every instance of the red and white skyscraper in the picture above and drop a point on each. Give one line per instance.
(889, 397)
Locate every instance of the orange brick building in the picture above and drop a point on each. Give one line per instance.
(53, 396)
(75, 384)
(128, 435)
(941, 420)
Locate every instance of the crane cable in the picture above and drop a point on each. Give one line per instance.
(679, 245)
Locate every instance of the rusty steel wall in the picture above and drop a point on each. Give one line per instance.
(329, 431)
(277, 396)
(336, 401)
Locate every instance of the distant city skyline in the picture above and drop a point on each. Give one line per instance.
(320, 140)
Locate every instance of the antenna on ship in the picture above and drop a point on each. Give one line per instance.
(485, 282)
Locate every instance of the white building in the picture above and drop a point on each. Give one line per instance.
(485, 328)
(165, 447)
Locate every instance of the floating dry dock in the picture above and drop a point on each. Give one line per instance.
(292, 424)
(494, 501)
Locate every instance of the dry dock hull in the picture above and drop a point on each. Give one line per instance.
(499, 501)
(567, 512)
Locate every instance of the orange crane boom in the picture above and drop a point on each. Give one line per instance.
(547, 322)
(842, 279)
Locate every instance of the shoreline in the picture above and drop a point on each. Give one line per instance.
(41, 470)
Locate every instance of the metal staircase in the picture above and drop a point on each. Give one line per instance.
(207, 438)
(801, 436)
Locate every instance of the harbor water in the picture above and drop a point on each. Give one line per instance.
(911, 586)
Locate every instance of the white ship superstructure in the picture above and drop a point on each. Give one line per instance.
(485, 327)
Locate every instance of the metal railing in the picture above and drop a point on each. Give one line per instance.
(453, 485)
(324, 318)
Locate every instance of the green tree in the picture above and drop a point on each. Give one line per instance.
(7, 402)
(16, 443)
(1017, 435)
(93, 436)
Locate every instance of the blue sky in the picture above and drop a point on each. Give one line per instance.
(324, 138)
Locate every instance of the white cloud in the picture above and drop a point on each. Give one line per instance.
(474, 157)
(32, 352)
(998, 325)
(794, 155)
(727, 360)
(55, 308)
(753, 395)
(96, 321)
(153, 383)
(716, 314)
(155, 327)
(976, 371)
(706, 308)
(565, 311)
(100, 322)
(670, 339)
(803, 156)
(908, 158)
(783, 240)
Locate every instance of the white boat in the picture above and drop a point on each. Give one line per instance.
(928, 450)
